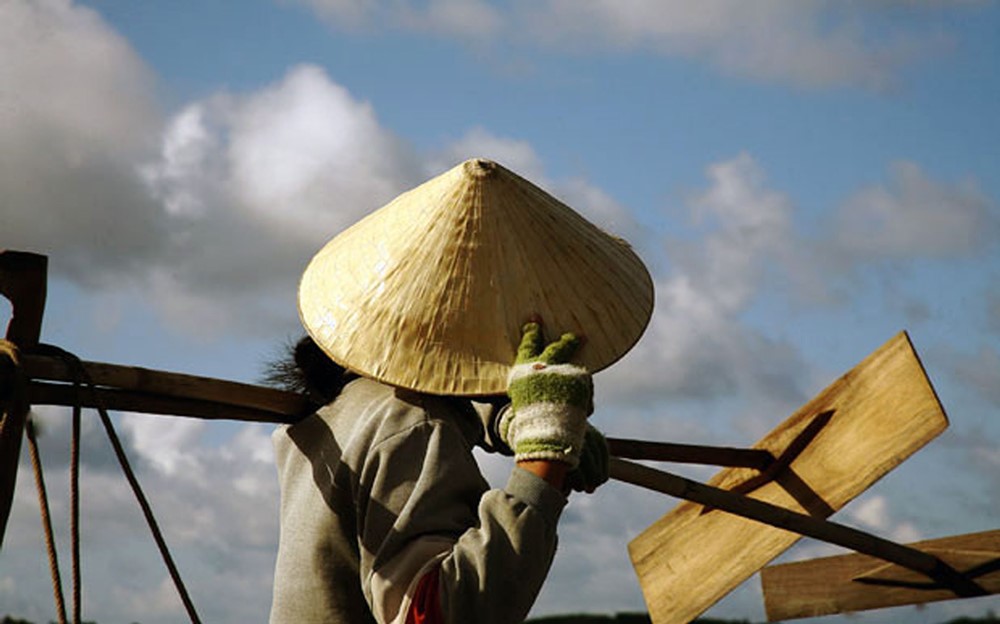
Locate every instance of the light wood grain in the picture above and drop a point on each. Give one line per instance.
(858, 582)
(883, 410)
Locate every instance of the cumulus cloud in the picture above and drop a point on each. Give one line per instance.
(216, 505)
(914, 215)
(519, 156)
(979, 372)
(75, 113)
(808, 43)
(465, 19)
(696, 345)
(112, 190)
(874, 513)
(286, 167)
(993, 309)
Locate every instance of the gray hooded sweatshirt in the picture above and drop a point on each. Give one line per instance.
(380, 487)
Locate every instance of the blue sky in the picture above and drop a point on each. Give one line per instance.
(804, 179)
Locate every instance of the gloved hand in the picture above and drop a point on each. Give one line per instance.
(593, 470)
(591, 473)
(550, 400)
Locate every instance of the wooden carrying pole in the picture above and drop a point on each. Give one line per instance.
(151, 391)
(131, 388)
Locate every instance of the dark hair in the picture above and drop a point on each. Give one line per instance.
(306, 369)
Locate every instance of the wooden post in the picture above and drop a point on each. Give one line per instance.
(23, 279)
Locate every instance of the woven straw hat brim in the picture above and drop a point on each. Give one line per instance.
(430, 292)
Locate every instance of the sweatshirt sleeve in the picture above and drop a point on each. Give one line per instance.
(425, 509)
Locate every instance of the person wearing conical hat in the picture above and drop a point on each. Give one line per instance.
(425, 325)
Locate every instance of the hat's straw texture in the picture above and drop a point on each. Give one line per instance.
(431, 291)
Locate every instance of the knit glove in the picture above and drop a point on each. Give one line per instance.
(550, 400)
(593, 469)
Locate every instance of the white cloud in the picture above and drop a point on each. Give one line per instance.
(515, 154)
(286, 167)
(305, 155)
(215, 503)
(169, 444)
(916, 216)
(696, 345)
(979, 372)
(810, 43)
(75, 113)
(519, 156)
(214, 227)
(874, 514)
(465, 19)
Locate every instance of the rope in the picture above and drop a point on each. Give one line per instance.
(74, 502)
(81, 377)
(43, 504)
(13, 397)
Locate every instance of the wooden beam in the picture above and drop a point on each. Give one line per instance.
(879, 413)
(160, 392)
(858, 582)
(42, 393)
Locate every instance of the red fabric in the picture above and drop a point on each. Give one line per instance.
(426, 606)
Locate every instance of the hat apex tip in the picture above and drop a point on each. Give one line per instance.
(479, 167)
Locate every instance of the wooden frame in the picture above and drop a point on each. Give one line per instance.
(829, 451)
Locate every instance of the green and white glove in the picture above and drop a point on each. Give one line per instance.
(550, 400)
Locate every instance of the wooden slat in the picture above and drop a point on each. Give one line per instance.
(858, 582)
(879, 413)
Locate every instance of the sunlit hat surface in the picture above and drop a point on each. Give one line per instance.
(430, 292)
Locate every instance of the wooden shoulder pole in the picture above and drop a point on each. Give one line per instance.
(23, 279)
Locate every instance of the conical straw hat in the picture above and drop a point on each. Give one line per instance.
(430, 292)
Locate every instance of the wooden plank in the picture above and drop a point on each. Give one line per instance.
(916, 562)
(857, 582)
(876, 415)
